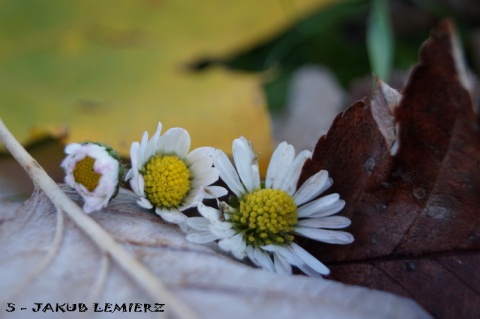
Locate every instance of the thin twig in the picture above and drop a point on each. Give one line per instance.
(144, 277)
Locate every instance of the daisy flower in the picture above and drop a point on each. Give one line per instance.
(263, 219)
(166, 176)
(94, 171)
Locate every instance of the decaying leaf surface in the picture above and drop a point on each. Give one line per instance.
(212, 284)
(414, 215)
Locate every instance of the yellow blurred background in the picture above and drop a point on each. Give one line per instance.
(108, 71)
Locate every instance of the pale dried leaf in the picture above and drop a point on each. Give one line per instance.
(212, 284)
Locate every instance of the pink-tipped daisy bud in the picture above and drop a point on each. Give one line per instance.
(94, 171)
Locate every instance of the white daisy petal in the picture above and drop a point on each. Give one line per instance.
(72, 148)
(193, 198)
(251, 255)
(201, 237)
(141, 185)
(199, 154)
(332, 222)
(246, 162)
(145, 203)
(215, 192)
(287, 254)
(309, 271)
(129, 174)
(206, 177)
(135, 157)
(209, 212)
(271, 248)
(318, 204)
(226, 244)
(282, 258)
(311, 188)
(183, 144)
(281, 265)
(264, 259)
(150, 149)
(222, 230)
(324, 235)
(292, 258)
(329, 210)
(200, 165)
(174, 141)
(70, 180)
(198, 223)
(79, 188)
(311, 261)
(289, 182)
(235, 245)
(327, 185)
(143, 146)
(227, 172)
(239, 246)
(108, 168)
(94, 204)
(280, 161)
(137, 184)
(172, 216)
(184, 226)
(255, 173)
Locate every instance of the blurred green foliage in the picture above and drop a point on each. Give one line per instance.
(352, 38)
(380, 39)
(330, 37)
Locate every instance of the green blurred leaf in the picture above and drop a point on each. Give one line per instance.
(380, 39)
(332, 36)
(276, 91)
(326, 36)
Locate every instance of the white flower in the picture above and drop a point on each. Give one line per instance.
(166, 176)
(94, 171)
(263, 220)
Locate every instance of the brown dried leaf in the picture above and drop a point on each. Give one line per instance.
(414, 215)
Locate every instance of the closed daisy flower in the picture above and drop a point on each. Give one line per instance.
(263, 219)
(165, 176)
(94, 171)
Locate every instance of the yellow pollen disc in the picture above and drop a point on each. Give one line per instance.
(167, 180)
(266, 216)
(85, 175)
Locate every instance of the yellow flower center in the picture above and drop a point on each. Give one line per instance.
(85, 175)
(167, 180)
(266, 216)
